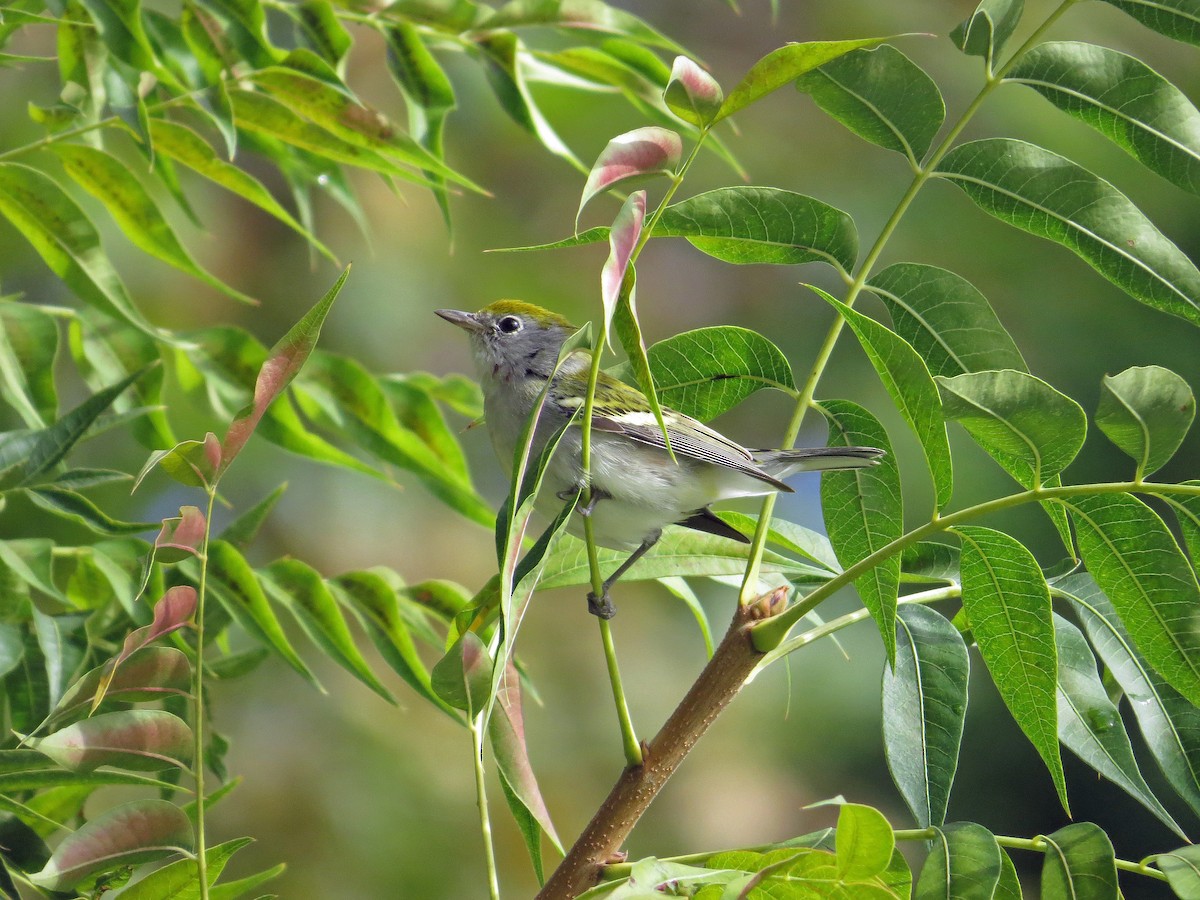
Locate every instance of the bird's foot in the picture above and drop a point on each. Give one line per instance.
(601, 607)
(584, 509)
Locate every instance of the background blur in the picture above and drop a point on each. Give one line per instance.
(367, 801)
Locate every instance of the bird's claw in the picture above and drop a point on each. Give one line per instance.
(601, 607)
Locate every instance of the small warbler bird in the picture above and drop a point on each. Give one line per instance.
(637, 488)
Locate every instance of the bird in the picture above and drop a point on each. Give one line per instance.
(637, 486)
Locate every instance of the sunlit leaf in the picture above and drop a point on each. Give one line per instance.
(693, 94)
(1123, 99)
(126, 835)
(864, 512)
(66, 240)
(945, 319)
(1050, 196)
(1007, 603)
(907, 380)
(1146, 411)
(882, 96)
(1182, 868)
(623, 237)
(28, 346)
(779, 67)
(301, 588)
(178, 880)
(865, 842)
(708, 371)
(588, 15)
(924, 707)
(1138, 565)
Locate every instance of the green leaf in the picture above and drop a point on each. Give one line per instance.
(784, 65)
(1049, 196)
(120, 26)
(1123, 99)
(864, 841)
(1138, 565)
(78, 508)
(1187, 511)
(375, 602)
(964, 864)
(988, 28)
(882, 96)
(1080, 864)
(134, 210)
(929, 561)
(28, 346)
(502, 51)
(232, 580)
(1027, 426)
(416, 411)
(242, 530)
(1024, 424)
(1182, 868)
(1146, 411)
(907, 380)
(945, 319)
(1007, 603)
(1176, 19)
(864, 512)
(242, 24)
(126, 835)
(147, 740)
(1009, 886)
(794, 538)
(178, 880)
(587, 15)
(185, 146)
(681, 551)
(66, 240)
(338, 391)
(924, 707)
(36, 453)
(301, 589)
(1169, 723)
(1089, 724)
(762, 225)
(462, 678)
(708, 371)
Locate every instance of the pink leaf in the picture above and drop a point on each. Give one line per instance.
(507, 730)
(622, 240)
(148, 673)
(645, 151)
(693, 94)
(284, 360)
(139, 739)
(134, 833)
(180, 536)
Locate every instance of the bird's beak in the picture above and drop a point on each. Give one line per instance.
(465, 320)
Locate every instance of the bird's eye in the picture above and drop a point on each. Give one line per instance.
(510, 324)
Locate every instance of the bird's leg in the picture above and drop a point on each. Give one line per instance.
(587, 509)
(602, 606)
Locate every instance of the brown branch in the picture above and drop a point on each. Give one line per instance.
(637, 787)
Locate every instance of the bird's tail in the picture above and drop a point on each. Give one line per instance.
(782, 463)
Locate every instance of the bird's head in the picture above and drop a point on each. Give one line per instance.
(511, 339)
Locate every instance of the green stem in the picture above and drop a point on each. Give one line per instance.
(629, 740)
(834, 625)
(1035, 844)
(485, 822)
(770, 633)
(923, 174)
(198, 693)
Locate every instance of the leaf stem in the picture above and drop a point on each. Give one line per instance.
(1034, 844)
(923, 173)
(770, 633)
(198, 693)
(485, 823)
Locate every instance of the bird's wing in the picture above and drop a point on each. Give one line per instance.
(688, 437)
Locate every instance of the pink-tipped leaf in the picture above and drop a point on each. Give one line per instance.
(193, 463)
(180, 536)
(635, 154)
(284, 360)
(693, 94)
(622, 240)
(143, 740)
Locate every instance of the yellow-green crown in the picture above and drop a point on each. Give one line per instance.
(543, 317)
